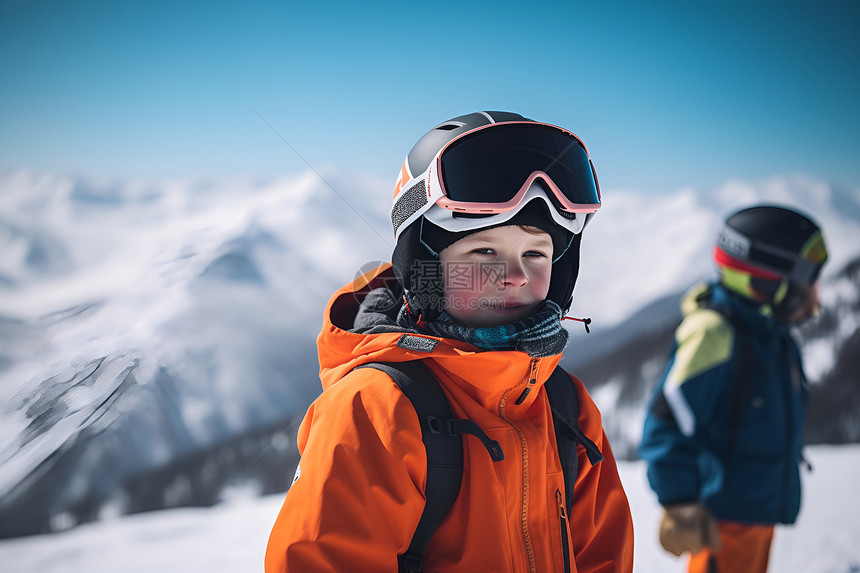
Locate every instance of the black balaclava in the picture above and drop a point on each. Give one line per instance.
(415, 266)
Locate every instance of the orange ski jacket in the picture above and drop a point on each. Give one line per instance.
(359, 490)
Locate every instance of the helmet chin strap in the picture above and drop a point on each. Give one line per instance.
(424, 243)
(558, 258)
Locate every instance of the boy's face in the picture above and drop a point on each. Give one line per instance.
(496, 276)
(803, 306)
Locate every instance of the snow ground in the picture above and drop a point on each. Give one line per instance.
(231, 537)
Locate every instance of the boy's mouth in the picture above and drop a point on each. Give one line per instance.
(512, 306)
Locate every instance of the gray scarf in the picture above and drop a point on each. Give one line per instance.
(538, 335)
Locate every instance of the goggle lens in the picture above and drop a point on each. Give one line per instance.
(490, 166)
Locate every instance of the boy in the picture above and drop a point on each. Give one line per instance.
(723, 437)
(488, 213)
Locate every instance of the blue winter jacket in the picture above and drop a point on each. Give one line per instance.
(712, 434)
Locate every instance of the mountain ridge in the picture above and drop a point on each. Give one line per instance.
(178, 317)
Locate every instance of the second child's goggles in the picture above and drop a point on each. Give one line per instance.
(485, 175)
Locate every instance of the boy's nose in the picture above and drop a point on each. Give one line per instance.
(515, 275)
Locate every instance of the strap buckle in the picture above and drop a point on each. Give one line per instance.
(411, 563)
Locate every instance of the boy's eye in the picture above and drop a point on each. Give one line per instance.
(483, 251)
(534, 254)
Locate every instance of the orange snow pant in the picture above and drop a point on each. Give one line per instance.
(744, 548)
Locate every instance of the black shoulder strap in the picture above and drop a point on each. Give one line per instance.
(445, 455)
(442, 436)
(565, 418)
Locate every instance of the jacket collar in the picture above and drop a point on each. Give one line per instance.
(488, 376)
(756, 316)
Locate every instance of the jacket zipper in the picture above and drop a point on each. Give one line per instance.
(532, 381)
(527, 538)
(562, 517)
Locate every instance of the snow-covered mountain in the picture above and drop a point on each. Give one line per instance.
(142, 325)
(157, 340)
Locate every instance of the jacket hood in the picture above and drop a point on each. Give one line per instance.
(486, 375)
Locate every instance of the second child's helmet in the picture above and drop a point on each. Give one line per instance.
(482, 170)
(770, 254)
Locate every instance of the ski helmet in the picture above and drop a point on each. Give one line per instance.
(770, 254)
(484, 170)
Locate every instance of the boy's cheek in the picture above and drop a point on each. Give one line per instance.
(460, 300)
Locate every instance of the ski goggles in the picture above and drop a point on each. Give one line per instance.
(769, 261)
(490, 171)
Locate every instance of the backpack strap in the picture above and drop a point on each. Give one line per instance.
(441, 433)
(445, 455)
(565, 418)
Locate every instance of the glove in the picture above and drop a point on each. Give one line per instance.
(688, 527)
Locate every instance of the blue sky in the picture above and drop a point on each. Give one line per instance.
(665, 94)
